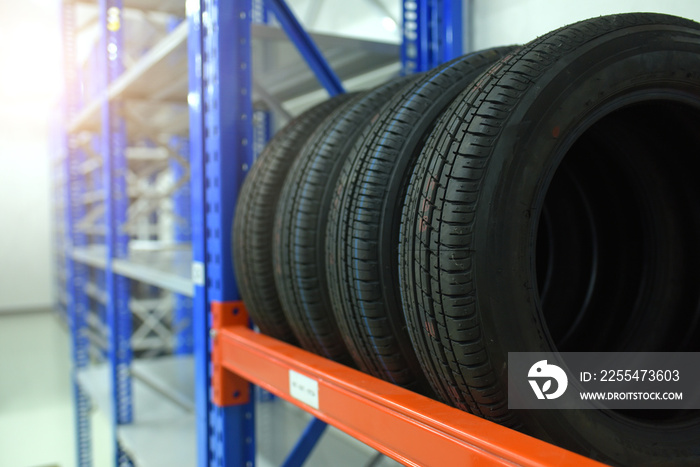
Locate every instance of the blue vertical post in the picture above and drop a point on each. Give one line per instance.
(450, 30)
(262, 130)
(425, 28)
(221, 98)
(182, 310)
(416, 50)
(77, 304)
(260, 15)
(200, 331)
(412, 53)
(114, 173)
(102, 312)
(76, 274)
(432, 33)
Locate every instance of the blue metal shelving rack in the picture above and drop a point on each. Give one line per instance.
(220, 128)
(222, 111)
(76, 274)
(123, 180)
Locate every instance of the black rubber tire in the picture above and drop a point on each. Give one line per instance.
(298, 254)
(254, 219)
(592, 106)
(363, 224)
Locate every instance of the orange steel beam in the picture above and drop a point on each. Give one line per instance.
(406, 426)
(227, 388)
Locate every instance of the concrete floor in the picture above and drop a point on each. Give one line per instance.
(36, 401)
(37, 427)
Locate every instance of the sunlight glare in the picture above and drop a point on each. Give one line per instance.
(31, 63)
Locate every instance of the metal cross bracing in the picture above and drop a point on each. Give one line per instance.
(152, 178)
(152, 335)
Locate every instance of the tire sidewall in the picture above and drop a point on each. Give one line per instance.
(611, 71)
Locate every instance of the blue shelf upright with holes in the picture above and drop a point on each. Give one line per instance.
(125, 236)
(224, 114)
(222, 142)
(165, 109)
(76, 273)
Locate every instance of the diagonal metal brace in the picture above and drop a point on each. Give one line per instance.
(306, 46)
(306, 444)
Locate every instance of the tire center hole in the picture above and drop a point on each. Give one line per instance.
(617, 254)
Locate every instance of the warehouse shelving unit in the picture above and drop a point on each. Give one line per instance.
(127, 243)
(154, 156)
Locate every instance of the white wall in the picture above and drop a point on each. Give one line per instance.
(364, 19)
(29, 83)
(505, 22)
(25, 279)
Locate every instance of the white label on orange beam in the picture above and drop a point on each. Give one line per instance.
(303, 388)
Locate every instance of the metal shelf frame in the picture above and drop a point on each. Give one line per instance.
(126, 130)
(125, 185)
(405, 426)
(226, 115)
(221, 111)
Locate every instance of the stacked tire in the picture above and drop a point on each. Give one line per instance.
(539, 198)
